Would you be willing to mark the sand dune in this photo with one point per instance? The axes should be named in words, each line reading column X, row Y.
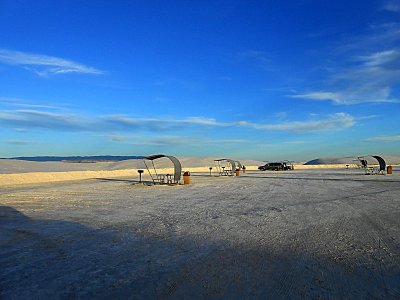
column 42, row 177
column 325, row 166
column 352, row 160
column 11, row 166
column 16, row 172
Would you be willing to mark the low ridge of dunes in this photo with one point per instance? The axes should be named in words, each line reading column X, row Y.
column 393, row 160
column 10, row 166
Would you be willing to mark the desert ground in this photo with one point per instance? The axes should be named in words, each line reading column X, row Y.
column 317, row 233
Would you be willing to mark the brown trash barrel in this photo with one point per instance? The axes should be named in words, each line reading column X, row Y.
column 389, row 169
column 237, row 172
column 186, row 178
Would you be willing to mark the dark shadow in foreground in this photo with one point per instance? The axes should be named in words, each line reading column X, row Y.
column 55, row 259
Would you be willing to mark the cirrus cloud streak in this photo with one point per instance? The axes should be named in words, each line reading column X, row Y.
column 387, row 138
column 44, row 65
column 76, row 122
column 365, row 70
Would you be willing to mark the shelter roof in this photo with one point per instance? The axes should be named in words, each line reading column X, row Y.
column 155, row 156
column 175, row 161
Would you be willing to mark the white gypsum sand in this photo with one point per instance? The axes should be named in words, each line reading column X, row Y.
column 320, row 233
column 14, row 172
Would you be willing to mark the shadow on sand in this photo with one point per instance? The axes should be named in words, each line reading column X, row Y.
column 56, row 259
column 322, row 178
column 125, row 180
column 144, row 182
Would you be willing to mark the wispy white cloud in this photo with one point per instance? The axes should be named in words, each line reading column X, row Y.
column 368, row 117
column 18, row 102
column 382, row 58
column 294, row 142
column 203, row 121
column 390, row 138
column 393, row 6
column 76, row 122
column 159, row 124
column 37, row 118
column 171, row 140
column 320, row 95
column 18, row 142
column 349, row 97
column 46, row 120
column 121, row 138
column 128, row 122
column 367, row 70
column 44, row 65
column 333, row 122
column 230, row 141
column 380, row 37
column 21, row 130
column 163, row 141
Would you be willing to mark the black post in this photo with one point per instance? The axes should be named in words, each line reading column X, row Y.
column 140, row 175
column 210, row 170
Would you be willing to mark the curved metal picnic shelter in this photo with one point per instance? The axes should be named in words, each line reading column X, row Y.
column 221, row 168
column 382, row 163
column 371, row 170
column 173, row 159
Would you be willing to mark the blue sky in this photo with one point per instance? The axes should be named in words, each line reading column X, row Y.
column 245, row 79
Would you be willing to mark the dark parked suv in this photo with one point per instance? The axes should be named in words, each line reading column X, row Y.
column 276, row 166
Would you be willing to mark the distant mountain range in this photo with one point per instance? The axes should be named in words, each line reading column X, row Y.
column 75, row 158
